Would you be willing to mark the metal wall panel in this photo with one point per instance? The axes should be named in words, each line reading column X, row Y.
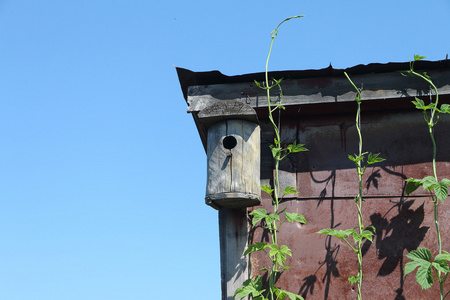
column 327, row 182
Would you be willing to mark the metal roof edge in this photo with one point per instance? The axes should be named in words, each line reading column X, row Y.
column 190, row 78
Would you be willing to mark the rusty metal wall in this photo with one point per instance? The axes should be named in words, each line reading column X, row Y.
column 327, row 182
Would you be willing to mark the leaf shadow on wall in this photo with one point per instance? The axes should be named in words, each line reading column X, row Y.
column 401, row 232
column 332, row 250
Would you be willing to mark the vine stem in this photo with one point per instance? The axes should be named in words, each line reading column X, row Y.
column 273, row 230
column 359, row 200
column 276, row 187
column 436, row 207
column 359, row 203
column 435, row 200
column 272, row 221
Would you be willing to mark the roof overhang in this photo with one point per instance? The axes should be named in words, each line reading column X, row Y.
column 315, row 91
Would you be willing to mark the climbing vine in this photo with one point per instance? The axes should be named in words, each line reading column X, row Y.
column 421, row 258
column 361, row 233
column 272, row 222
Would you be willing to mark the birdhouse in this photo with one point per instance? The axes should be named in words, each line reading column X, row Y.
column 233, row 155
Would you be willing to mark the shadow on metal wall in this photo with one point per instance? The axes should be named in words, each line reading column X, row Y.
column 330, row 261
column 397, row 234
column 326, row 180
column 394, row 235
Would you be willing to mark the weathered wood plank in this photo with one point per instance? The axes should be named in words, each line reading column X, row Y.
column 319, row 90
column 225, row 110
column 233, row 232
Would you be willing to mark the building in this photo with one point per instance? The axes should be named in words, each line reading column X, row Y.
column 320, row 113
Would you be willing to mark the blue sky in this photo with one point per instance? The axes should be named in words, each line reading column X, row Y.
column 102, row 172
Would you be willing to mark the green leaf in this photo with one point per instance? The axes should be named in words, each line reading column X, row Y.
column 353, row 279
column 421, row 255
column 373, row 158
column 425, row 74
column 259, row 85
column 411, row 185
column 446, row 181
column 445, row 108
column 276, row 151
column 281, row 259
column 285, row 250
column 418, row 57
column 267, row 188
column 296, row 147
column 355, row 158
column 274, row 251
column 256, row 247
column 342, row 234
column 277, row 82
column 289, row 190
column 273, row 247
column 424, row 276
column 441, row 266
column 291, row 217
column 327, row 231
column 258, row 215
column 253, row 287
column 441, row 191
column 421, row 258
column 357, row 237
column 279, row 255
column 367, row 234
column 442, row 256
column 352, row 158
column 441, row 262
column 372, row 228
column 428, row 182
column 272, row 217
column 282, row 294
column 411, row 266
column 419, row 104
column 282, row 211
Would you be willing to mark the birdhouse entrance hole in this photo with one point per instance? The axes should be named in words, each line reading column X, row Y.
column 229, row 142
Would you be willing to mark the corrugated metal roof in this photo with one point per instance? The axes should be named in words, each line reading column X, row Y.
column 190, row 78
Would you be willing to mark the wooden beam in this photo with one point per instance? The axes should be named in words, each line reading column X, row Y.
column 233, row 232
column 378, row 86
